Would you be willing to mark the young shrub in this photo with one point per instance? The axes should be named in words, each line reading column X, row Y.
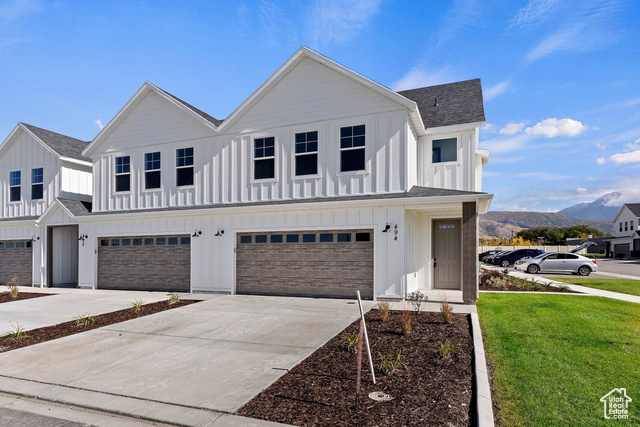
column 563, row 287
column 84, row 319
column 446, row 349
column 416, row 299
column 385, row 310
column 498, row 282
column 137, row 304
column 389, row 365
column 350, row 341
column 446, row 312
column 18, row 332
column 174, row 298
column 14, row 289
column 536, row 287
column 405, row 320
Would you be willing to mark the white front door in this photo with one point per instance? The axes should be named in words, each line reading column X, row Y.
column 447, row 258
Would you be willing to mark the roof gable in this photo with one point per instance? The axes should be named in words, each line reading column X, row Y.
column 449, row 104
column 56, row 143
column 131, row 105
column 634, row 208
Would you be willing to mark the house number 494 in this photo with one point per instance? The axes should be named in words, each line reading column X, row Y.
column 395, row 232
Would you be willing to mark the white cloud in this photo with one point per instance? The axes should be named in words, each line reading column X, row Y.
column 418, row 76
column 496, row 90
column 488, row 128
column 553, row 127
column 637, row 141
column 500, row 145
column 99, row 123
column 626, row 158
column 601, row 147
column 534, row 13
column 512, row 128
column 337, row 21
column 581, row 190
column 600, row 160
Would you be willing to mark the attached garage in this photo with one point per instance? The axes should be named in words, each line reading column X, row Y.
column 16, row 262
column 332, row 263
column 150, row 263
column 622, row 250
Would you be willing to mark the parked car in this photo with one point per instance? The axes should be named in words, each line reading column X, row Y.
column 487, row 253
column 558, row 262
column 489, row 258
column 505, row 260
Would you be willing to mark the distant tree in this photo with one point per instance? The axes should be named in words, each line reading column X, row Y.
column 558, row 235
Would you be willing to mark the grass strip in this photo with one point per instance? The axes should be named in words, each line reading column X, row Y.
column 624, row 286
column 555, row 356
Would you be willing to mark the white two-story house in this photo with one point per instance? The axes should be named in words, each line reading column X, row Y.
column 40, row 169
column 321, row 183
column 626, row 241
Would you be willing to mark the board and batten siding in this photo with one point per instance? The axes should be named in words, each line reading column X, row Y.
column 458, row 175
column 213, row 258
column 24, row 155
column 76, row 181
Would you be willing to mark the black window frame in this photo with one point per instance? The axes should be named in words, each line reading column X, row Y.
column 152, row 170
column 306, row 153
column 15, row 186
column 184, row 167
column 353, row 142
column 37, row 183
column 264, row 158
column 122, row 174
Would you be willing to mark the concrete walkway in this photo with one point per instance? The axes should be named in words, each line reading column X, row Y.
column 194, row 365
column 582, row 289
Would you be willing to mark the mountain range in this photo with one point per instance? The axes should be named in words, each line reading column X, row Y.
column 598, row 214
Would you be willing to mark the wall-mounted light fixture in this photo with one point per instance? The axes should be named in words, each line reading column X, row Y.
column 34, row 238
column 197, row 233
column 220, row 232
column 387, row 228
column 82, row 237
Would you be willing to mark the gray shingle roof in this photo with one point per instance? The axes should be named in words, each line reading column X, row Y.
column 415, row 192
column 634, row 208
column 449, row 104
column 76, row 207
column 63, row 145
column 199, row 112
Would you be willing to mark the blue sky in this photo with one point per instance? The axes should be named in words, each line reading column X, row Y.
column 561, row 79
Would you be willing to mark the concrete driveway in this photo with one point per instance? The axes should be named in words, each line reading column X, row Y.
column 213, row 356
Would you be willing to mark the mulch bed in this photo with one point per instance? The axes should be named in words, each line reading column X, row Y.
column 6, row 296
column 320, row 391
column 508, row 283
column 47, row 333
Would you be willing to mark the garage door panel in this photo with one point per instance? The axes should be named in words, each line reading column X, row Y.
column 16, row 262
column 144, row 267
column 329, row 269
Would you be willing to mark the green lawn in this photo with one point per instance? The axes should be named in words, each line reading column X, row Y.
column 555, row 356
column 631, row 287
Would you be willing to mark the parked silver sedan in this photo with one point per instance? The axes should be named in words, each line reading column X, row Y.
column 558, row 262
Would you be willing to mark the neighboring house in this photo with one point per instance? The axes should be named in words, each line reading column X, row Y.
column 321, row 183
column 40, row 169
column 626, row 241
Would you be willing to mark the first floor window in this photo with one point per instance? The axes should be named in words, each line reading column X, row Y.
column 37, row 180
column 264, row 158
column 444, row 150
column 152, row 170
column 306, row 153
column 123, row 173
column 15, row 180
column 352, row 140
column 184, row 166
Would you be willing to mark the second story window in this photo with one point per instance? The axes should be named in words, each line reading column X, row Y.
column 15, row 180
column 444, row 150
column 264, row 158
column 184, row 166
column 306, row 153
column 626, row 226
column 620, row 225
column 37, row 183
column 352, row 139
column 123, row 173
column 152, row 170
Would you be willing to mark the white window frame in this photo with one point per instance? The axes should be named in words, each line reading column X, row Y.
column 445, row 137
column 159, row 169
column 296, row 155
column 192, row 166
column 117, row 174
column 272, row 157
column 364, row 148
column 41, row 183
column 19, row 185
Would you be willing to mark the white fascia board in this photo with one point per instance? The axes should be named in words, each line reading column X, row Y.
column 302, row 53
column 76, row 162
column 483, row 201
column 51, row 210
column 19, row 223
column 46, row 147
column 454, row 128
column 8, row 142
column 619, row 213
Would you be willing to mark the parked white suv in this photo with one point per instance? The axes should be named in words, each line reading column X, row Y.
column 558, row 262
